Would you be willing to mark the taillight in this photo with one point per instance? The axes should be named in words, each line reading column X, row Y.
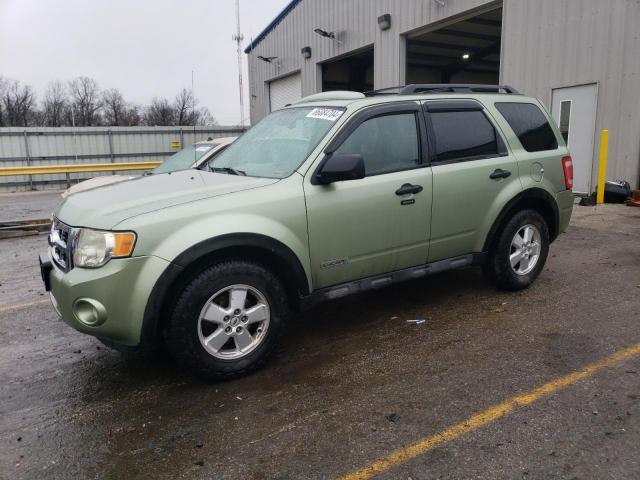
column 567, row 169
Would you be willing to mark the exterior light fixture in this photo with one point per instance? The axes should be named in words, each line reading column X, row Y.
column 466, row 56
column 306, row 52
column 324, row 33
column 267, row 59
column 384, row 21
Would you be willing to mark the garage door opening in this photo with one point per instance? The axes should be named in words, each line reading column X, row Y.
column 354, row 73
column 467, row 51
column 284, row 91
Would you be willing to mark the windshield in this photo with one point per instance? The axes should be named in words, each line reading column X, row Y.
column 277, row 145
column 184, row 159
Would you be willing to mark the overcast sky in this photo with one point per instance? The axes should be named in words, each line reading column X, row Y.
column 145, row 48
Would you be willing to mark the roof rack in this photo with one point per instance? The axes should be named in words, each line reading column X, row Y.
column 443, row 88
column 332, row 95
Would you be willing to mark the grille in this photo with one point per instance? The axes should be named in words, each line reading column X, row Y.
column 61, row 245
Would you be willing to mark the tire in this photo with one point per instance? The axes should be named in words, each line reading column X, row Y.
column 499, row 269
column 205, row 311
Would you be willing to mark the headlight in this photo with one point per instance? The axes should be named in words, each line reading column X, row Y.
column 94, row 248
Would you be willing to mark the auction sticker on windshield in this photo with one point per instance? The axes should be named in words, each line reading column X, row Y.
column 330, row 114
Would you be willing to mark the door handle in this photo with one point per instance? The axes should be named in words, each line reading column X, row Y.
column 499, row 173
column 407, row 188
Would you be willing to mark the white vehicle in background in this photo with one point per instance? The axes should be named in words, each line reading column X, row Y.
column 191, row 157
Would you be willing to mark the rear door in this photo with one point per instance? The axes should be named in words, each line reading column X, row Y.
column 359, row 228
column 474, row 175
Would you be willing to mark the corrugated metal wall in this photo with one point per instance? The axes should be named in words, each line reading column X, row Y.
column 67, row 145
column 548, row 44
column 355, row 23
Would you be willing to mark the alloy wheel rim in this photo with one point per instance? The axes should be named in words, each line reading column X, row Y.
column 233, row 322
column 525, row 248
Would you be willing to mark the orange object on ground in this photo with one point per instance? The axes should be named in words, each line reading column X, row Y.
column 634, row 201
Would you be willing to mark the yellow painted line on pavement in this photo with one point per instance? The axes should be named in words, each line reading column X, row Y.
column 20, row 306
column 488, row 416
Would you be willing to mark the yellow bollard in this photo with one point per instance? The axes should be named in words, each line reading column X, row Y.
column 602, row 165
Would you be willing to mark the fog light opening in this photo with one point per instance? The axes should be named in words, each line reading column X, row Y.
column 89, row 312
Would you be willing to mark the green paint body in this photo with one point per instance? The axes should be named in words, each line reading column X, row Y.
column 338, row 232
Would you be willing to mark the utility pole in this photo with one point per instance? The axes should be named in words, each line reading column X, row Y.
column 238, row 38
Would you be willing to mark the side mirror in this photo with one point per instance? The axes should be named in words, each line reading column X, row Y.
column 336, row 168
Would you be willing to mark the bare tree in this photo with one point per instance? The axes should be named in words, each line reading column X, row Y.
column 54, row 105
column 85, row 100
column 205, row 118
column 116, row 111
column 133, row 117
column 19, row 104
column 159, row 113
column 82, row 102
column 184, row 108
column 3, row 86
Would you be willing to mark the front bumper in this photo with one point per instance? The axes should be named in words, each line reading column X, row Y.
column 106, row 302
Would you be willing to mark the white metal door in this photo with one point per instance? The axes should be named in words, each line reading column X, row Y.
column 574, row 110
column 284, row 91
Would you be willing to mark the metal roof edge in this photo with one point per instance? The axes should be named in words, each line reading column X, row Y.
column 274, row 23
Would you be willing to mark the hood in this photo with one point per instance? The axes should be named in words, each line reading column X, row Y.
column 106, row 206
column 96, row 182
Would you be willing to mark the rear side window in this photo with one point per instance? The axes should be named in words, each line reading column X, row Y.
column 530, row 125
column 464, row 135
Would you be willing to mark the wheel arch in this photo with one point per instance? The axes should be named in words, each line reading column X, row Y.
column 261, row 249
column 535, row 199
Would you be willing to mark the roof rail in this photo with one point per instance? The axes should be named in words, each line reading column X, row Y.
column 456, row 88
column 384, row 91
column 416, row 88
column 331, row 95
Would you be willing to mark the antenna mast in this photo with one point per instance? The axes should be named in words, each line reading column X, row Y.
column 238, row 38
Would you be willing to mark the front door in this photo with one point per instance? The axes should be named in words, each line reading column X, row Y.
column 574, row 110
column 364, row 227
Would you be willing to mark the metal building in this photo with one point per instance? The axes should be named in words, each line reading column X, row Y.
column 580, row 57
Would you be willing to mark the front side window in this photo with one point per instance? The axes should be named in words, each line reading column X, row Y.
column 464, row 135
column 530, row 125
column 277, row 145
column 387, row 143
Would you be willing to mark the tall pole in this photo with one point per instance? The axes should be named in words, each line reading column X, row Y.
column 238, row 38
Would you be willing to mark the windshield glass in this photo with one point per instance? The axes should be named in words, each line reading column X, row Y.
column 184, row 159
column 277, row 145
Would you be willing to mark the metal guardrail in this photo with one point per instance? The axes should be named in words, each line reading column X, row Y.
column 40, row 146
column 67, row 169
column 23, row 228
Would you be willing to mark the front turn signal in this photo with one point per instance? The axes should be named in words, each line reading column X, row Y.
column 123, row 245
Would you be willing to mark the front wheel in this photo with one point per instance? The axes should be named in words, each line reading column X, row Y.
column 520, row 252
column 227, row 320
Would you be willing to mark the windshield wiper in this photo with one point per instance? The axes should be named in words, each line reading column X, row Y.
column 227, row 170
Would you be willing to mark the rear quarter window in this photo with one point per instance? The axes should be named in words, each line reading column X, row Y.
column 530, row 125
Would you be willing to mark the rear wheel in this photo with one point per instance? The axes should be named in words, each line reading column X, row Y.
column 520, row 252
column 227, row 320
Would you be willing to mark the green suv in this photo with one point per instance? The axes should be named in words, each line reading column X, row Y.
column 337, row 194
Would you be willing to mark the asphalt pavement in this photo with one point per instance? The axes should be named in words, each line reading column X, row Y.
column 354, row 386
column 20, row 206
